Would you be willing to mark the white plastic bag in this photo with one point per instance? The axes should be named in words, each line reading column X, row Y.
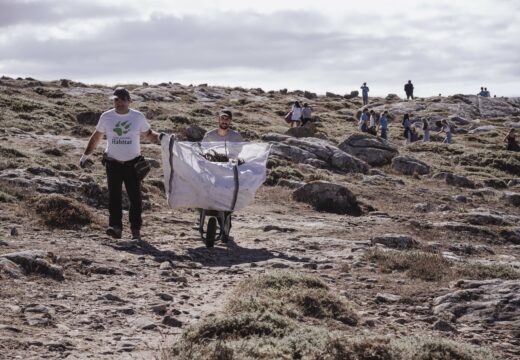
column 198, row 183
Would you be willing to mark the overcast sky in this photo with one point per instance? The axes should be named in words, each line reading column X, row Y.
column 443, row 46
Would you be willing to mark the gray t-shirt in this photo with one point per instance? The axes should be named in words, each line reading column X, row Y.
column 213, row 136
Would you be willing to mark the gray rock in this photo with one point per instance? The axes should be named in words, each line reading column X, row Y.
column 111, row 297
column 495, row 183
column 36, row 261
column 373, row 150
column 484, row 218
column 443, row 325
column 292, row 153
column 511, row 236
column 396, row 241
column 165, row 297
column 408, row 165
column 423, row 207
column 459, row 181
column 317, row 163
column 322, row 149
column 329, row 197
column 482, row 129
column 512, row 198
column 165, row 265
column 348, row 163
column 171, row 321
column 460, row 198
column 10, row 268
column 387, row 298
column 459, row 120
column 292, row 184
column 274, row 137
column 462, row 227
column 493, row 302
column 353, row 94
column 194, row 133
column 513, row 182
column 309, row 130
column 38, row 315
column 160, row 309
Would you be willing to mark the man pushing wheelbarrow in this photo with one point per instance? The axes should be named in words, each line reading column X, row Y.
column 218, row 176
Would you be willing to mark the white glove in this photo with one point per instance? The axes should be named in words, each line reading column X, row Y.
column 83, row 161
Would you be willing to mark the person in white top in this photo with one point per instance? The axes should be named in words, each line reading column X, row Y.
column 296, row 114
column 122, row 127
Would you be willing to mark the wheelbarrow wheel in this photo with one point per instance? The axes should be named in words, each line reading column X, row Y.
column 211, row 232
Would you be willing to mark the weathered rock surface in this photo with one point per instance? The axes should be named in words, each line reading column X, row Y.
column 512, row 198
column 36, row 261
column 459, row 181
column 308, row 130
column 408, row 165
column 396, row 241
column 194, row 133
column 329, row 197
column 373, row 150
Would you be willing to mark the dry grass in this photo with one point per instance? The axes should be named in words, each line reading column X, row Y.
column 434, row 267
column 62, row 212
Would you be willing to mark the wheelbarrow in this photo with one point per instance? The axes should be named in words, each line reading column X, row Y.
column 215, row 217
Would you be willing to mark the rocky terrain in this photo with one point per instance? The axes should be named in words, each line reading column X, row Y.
column 356, row 248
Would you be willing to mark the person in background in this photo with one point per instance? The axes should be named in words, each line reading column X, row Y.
column 372, row 127
column 426, row 129
column 510, row 138
column 482, row 92
column 306, row 114
column 383, row 125
column 407, row 128
column 122, row 127
column 223, row 132
column 296, row 114
column 408, row 89
column 364, row 93
column 446, row 128
column 487, row 93
column 363, row 120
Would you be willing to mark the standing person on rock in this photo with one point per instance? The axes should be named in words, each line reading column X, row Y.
column 372, row 127
column 383, row 125
column 306, row 114
column 296, row 114
column 364, row 93
column 426, row 130
column 408, row 89
column 446, row 128
column 122, row 127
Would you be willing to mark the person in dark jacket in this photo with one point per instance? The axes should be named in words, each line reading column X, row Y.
column 408, row 89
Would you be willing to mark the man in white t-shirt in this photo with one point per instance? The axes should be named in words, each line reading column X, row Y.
column 122, row 127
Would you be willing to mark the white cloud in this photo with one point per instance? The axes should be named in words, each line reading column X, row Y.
column 444, row 46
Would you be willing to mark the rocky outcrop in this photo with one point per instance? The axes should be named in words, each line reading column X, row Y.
column 308, row 130
column 194, row 133
column 375, row 151
column 35, row 261
column 490, row 302
column 512, row 198
column 318, row 152
column 88, row 117
column 459, row 181
column 329, row 197
column 408, row 165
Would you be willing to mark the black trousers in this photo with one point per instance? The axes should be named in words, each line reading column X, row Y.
column 117, row 174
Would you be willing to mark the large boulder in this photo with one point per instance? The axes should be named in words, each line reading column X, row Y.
column 375, row 151
column 321, row 148
column 329, row 197
column 194, row 133
column 293, row 153
column 308, row 130
column 408, row 165
column 348, row 163
column 459, row 181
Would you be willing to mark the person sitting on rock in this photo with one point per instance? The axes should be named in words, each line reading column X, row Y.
column 487, row 93
column 374, row 121
column 306, row 114
column 383, row 125
column 363, row 120
column 446, row 128
column 510, row 138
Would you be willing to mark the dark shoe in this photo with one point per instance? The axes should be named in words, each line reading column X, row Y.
column 114, row 231
column 136, row 234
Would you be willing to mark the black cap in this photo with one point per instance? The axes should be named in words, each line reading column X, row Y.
column 121, row 93
column 226, row 113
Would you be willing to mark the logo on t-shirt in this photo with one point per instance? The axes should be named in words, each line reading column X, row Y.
column 122, row 128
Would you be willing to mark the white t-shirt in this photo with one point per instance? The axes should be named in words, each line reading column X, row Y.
column 296, row 113
column 123, row 133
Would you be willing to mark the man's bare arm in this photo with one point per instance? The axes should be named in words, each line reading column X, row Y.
column 93, row 142
column 152, row 136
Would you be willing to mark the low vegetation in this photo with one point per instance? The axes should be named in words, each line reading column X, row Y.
column 434, row 267
column 58, row 211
